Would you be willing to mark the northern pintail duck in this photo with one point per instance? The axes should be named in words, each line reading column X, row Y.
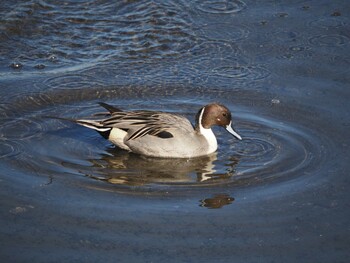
column 162, row 134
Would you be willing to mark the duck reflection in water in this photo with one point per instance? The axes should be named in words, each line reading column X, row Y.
column 120, row 167
column 217, row 201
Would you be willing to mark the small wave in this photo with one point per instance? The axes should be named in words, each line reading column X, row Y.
column 96, row 33
column 272, row 149
column 240, row 72
column 220, row 7
column 329, row 40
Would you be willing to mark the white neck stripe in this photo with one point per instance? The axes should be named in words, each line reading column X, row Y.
column 200, row 120
column 208, row 135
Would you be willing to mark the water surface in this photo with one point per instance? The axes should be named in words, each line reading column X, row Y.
column 279, row 195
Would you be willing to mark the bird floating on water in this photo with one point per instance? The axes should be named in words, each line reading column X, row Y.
column 162, row 134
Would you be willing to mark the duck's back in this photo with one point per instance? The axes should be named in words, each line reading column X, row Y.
column 177, row 138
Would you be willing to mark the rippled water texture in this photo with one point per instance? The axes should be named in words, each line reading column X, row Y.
column 279, row 195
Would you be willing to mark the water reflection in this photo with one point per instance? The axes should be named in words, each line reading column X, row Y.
column 123, row 168
column 217, row 201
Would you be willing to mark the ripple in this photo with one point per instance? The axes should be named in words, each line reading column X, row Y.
column 254, row 147
column 70, row 81
column 154, row 30
column 75, row 36
column 21, row 128
column 329, row 40
column 329, row 22
column 285, row 36
column 8, row 149
column 264, row 51
column 271, row 149
column 242, row 72
column 198, row 66
column 275, row 149
column 232, row 32
column 220, row 6
column 297, row 52
column 221, row 49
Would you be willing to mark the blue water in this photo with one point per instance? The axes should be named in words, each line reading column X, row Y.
column 279, row 195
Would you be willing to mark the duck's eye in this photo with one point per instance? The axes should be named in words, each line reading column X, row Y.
column 224, row 114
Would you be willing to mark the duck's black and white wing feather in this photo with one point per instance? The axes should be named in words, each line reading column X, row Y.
column 142, row 123
column 138, row 124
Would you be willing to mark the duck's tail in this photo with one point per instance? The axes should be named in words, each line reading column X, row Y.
column 110, row 108
column 92, row 124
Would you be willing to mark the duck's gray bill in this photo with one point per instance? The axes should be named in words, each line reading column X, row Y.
column 230, row 130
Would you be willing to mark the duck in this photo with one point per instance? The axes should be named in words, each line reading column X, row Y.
column 162, row 134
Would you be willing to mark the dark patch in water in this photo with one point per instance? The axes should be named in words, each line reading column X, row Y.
column 217, row 201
